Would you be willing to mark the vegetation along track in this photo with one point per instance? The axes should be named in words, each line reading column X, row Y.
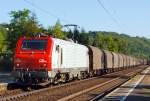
column 78, row 90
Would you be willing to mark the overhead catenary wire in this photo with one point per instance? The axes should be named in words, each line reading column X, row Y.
column 123, row 25
column 109, row 14
column 45, row 11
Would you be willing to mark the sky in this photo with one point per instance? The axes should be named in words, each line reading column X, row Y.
column 131, row 17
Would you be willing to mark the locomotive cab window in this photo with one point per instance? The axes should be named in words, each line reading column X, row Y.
column 34, row 44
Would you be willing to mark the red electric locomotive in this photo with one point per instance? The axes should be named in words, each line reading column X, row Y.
column 32, row 59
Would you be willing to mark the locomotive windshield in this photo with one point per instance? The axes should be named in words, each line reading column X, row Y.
column 34, row 44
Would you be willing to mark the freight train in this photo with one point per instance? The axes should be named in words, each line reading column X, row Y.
column 42, row 60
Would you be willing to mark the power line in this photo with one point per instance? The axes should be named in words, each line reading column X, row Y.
column 45, row 11
column 123, row 26
column 107, row 11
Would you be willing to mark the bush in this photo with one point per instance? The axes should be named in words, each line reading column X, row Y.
column 6, row 63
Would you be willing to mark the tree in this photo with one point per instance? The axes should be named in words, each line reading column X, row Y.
column 83, row 37
column 57, row 30
column 3, row 35
column 50, row 30
column 23, row 23
column 97, row 41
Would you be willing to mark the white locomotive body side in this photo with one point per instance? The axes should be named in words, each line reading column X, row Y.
column 69, row 57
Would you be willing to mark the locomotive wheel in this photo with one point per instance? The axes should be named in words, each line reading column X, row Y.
column 61, row 78
column 65, row 77
column 83, row 75
column 27, row 88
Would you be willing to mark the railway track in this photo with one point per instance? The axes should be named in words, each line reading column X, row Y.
column 98, row 91
column 10, row 93
column 75, row 91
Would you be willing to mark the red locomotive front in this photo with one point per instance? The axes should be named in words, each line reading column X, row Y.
column 32, row 59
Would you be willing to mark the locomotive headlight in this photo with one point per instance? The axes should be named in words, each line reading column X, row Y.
column 42, row 61
column 17, row 64
column 44, row 65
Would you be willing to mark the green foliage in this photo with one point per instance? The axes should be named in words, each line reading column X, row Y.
column 57, row 30
column 6, row 62
column 49, row 31
column 23, row 23
column 83, row 37
column 3, row 35
column 121, row 43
